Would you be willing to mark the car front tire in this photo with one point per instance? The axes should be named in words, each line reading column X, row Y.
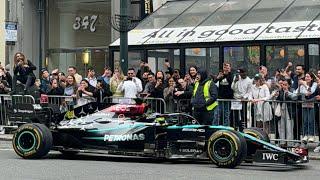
column 32, row 141
column 227, row 148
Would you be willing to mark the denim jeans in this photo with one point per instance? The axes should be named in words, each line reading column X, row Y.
column 308, row 121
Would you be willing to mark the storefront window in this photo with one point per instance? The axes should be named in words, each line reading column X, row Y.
column 279, row 56
column 134, row 59
column 204, row 58
column 157, row 58
column 314, row 59
column 74, row 26
column 245, row 57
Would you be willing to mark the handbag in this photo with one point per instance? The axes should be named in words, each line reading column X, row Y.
column 277, row 111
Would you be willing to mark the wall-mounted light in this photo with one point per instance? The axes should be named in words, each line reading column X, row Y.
column 86, row 57
column 46, row 62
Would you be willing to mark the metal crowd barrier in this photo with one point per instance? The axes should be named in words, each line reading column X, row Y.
column 155, row 104
column 7, row 101
column 284, row 121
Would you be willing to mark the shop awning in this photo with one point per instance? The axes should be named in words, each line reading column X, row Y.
column 196, row 21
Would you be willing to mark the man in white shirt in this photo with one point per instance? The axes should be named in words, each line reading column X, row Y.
column 132, row 74
column 91, row 77
column 129, row 88
column 241, row 87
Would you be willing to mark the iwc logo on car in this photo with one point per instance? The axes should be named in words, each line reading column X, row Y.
column 124, row 137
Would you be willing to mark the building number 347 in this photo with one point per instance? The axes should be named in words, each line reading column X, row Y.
column 87, row 22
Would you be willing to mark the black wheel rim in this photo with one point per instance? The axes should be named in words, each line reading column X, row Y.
column 26, row 141
column 222, row 149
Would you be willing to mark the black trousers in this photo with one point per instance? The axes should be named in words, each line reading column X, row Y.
column 204, row 117
column 28, row 81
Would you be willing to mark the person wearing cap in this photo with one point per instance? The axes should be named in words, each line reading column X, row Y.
column 241, row 87
column 262, row 111
column 44, row 81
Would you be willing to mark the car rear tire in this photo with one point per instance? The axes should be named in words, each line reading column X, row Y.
column 227, row 148
column 257, row 133
column 32, row 141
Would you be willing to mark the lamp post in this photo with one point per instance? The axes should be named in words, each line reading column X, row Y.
column 124, row 35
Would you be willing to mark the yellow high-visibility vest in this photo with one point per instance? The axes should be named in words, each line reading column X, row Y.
column 206, row 94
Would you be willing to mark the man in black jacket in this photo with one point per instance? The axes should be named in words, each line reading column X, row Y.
column 225, row 92
column 23, row 71
column 204, row 99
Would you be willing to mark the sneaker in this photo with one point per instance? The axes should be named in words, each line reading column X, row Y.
column 311, row 139
column 305, row 138
column 317, row 149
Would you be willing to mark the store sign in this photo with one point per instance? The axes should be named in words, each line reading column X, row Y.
column 168, row 35
column 312, row 31
column 243, row 32
column 284, row 30
column 85, row 23
column 11, row 31
column 239, row 32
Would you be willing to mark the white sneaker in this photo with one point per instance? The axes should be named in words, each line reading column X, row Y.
column 311, row 139
column 305, row 138
column 317, row 149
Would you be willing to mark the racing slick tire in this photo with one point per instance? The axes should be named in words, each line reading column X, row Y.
column 257, row 133
column 32, row 141
column 227, row 148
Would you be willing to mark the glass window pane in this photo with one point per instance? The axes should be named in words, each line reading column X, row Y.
column 195, row 57
column 305, row 10
column 164, row 15
column 265, row 11
column 204, row 58
column 314, row 59
column 246, row 57
column 213, row 61
column 278, row 56
column 196, row 13
column 156, row 59
column 229, row 13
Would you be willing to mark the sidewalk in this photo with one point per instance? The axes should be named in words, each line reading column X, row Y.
column 312, row 155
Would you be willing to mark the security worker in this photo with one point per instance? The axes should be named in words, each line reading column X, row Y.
column 204, row 99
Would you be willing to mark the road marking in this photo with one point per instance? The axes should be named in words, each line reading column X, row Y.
column 6, row 149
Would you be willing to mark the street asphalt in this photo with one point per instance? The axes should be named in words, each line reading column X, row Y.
column 84, row 167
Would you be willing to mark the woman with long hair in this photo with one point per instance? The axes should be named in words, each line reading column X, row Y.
column 71, row 86
column 85, row 93
column 305, row 89
column 168, row 95
column 116, row 79
column 23, row 71
column 262, row 110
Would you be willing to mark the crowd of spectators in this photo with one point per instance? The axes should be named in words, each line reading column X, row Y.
column 287, row 84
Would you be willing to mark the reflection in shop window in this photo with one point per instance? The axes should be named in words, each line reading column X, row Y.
column 314, row 57
column 279, row 56
column 204, row 58
column 245, row 57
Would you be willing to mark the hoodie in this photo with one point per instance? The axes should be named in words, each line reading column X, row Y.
column 198, row 101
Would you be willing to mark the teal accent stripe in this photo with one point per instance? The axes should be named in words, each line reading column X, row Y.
column 94, row 138
column 222, row 127
column 186, row 127
column 117, row 128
